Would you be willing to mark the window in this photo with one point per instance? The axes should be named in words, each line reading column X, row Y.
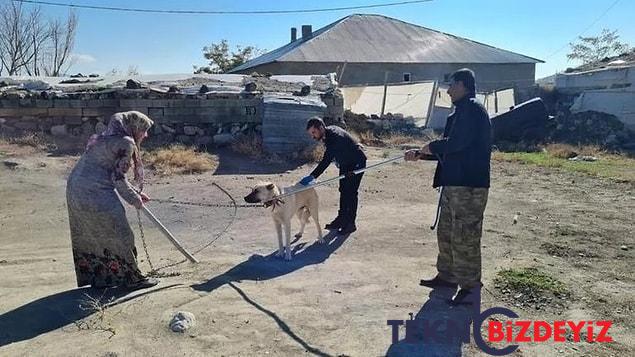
column 406, row 77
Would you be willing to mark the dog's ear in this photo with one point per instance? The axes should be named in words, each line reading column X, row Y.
column 270, row 186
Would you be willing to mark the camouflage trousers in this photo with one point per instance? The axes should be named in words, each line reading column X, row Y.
column 459, row 235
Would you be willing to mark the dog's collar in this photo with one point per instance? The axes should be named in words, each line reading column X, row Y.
column 273, row 203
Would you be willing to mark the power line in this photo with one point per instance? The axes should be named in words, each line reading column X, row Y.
column 211, row 12
column 585, row 30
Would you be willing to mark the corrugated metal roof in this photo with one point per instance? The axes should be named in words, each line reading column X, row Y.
column 379, row 39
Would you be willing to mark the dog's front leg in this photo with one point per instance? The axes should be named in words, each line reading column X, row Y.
column 280, row 247
column 287, row 240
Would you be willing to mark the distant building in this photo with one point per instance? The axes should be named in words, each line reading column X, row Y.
column 369, row 49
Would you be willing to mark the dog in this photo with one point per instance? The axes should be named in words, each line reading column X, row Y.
column 304, row 204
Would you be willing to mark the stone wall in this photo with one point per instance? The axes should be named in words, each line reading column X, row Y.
column 199, row 120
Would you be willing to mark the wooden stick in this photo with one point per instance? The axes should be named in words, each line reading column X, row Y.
column 169, row 235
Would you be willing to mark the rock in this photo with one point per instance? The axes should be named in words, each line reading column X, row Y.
column 190, row 130
column 10, row 164
column 235, row 129
column 88, row 129
column 100, row 128
column 182, row 321
column 168, row 129
column 204, row 89
column 3, row 120
column 584, row 158
column 133, row 84
column 223, row 139
column 250, row 87
column 174, row 89
column 184, row 139
column 624, row 247
column 93, row 75
column 59, row 130
column 203, row 140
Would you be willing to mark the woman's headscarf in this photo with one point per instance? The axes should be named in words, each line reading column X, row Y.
column 128, row 124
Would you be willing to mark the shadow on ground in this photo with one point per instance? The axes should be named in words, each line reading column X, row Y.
column 438, row 329
column 55, row 311
column 258, row 267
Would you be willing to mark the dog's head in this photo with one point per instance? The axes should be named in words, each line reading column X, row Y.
column 262, row 192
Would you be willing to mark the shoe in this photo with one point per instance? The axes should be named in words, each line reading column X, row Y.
column 462, row 297
column 336, row 224
column 142, row 284
column 348, row 229
column 437, row 282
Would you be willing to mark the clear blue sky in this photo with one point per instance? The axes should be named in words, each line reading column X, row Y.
column 164, row 43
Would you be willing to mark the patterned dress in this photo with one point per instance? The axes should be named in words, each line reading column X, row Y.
column 103, row 243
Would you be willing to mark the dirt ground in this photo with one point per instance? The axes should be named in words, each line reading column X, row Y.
column 332, row 299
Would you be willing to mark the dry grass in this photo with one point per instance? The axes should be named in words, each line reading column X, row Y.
column 566, row 151
column 179, row 159
column 313, row 153
column 32, row 140
column 368, row 138
column 250, row 145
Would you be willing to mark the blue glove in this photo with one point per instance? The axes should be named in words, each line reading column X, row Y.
column 306, row 180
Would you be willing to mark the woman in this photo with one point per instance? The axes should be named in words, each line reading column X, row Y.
column 103, row 243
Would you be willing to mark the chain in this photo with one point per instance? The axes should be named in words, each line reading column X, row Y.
column 200, row 204
column 143, row 240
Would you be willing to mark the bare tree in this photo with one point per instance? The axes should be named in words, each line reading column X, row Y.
column 62, row 40
column 16, row 36
column 133, row 70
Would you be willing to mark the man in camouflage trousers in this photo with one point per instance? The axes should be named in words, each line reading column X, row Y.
column 463, row 172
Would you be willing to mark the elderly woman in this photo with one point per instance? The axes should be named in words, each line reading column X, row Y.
column 103, row 243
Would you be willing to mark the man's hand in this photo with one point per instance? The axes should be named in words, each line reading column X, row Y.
column 412, row 155
column 306, row 180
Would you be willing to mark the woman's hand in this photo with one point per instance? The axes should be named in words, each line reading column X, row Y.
column 144, row 198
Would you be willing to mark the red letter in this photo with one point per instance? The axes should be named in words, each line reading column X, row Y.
column 547, row 328
column 602, row 336
column 522, row 334
column 558, row 331
column 589, row 330
column 495, row 331
column 576, row 329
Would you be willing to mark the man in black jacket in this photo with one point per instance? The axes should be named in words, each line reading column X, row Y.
column 348, row 156
column 463, row 172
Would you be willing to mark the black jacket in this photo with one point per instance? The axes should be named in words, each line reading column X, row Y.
column 465, row 150
column 342, row 147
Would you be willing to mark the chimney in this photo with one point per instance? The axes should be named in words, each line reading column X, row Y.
column 294, row 34
column 307, row 31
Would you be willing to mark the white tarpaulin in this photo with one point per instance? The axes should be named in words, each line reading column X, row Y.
column 619, row 102
column 410, row 100
column 494, row 102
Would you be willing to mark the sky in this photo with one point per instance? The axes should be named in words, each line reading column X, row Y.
column 172, row 43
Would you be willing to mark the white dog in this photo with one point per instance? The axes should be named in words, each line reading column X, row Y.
column 304, row 204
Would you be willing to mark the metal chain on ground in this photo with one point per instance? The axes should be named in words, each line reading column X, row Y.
column 155, row 272
column 143, row 240
column 200, row 204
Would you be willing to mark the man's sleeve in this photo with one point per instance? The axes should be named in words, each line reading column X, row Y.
column 461, row 136
column 326, row 161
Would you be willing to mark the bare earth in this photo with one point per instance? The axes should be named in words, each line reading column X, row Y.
column 331, row 299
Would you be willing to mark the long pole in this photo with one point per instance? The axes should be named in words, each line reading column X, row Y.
column 321, row 183
column 169, row 235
